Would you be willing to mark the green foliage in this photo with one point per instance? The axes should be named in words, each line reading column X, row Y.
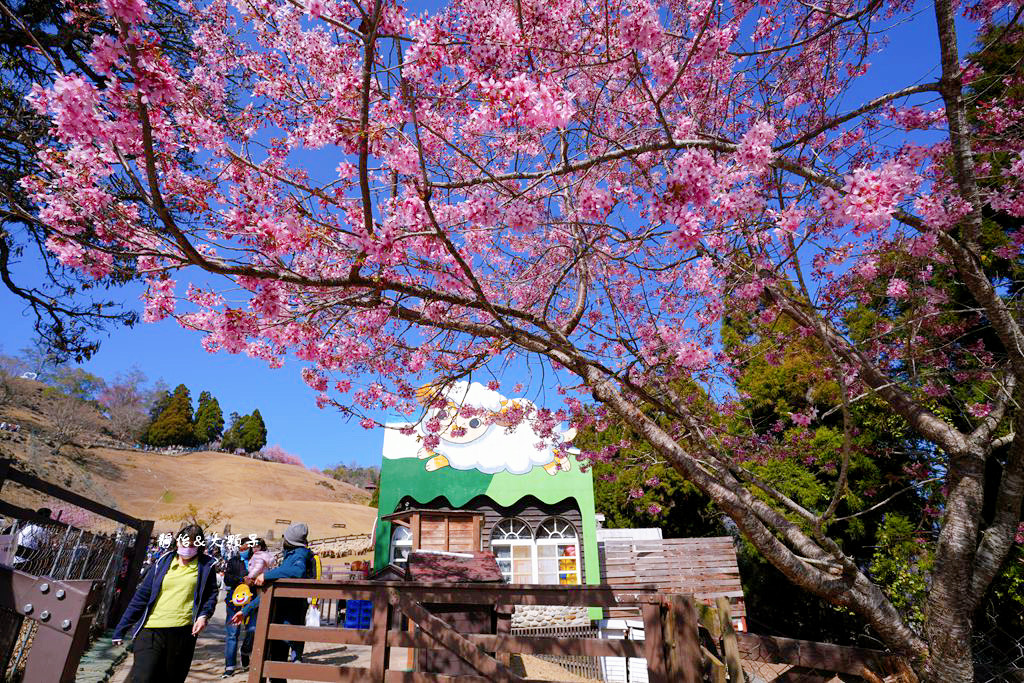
column 160, row 403
column 783, row 374
column 173, row 426
column 635, row 490
column 901, row 563
column 253, row 435
column 231, row 440
column 209, row 419
column 246, row 432
column 77, row 383
column 354, row 474
column 1002, row 612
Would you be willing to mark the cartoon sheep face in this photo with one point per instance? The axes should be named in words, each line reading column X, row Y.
column 482, row 438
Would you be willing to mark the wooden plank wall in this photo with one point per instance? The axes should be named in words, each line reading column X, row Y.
column 704, row 567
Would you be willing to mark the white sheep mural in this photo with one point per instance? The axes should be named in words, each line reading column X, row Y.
column 484, row 438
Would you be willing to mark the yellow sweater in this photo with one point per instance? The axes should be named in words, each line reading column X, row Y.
column 177, row 595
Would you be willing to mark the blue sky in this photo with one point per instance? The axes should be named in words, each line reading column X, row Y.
column 165, row 350
column 323, row 437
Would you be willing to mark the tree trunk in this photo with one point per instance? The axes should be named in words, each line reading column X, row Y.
column 950, row 606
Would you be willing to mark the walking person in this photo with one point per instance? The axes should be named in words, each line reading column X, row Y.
column 170, row 608
column 297, row 563
column 260, row 561
column 235, row 570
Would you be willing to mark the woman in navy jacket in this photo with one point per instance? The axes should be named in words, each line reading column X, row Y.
column 170, row 608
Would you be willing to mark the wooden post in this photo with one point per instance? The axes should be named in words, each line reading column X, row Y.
column 259, row 643
column 730, row 648
column 654, row 644
column 379, row 638
column 478, row 532
column 717, row 668
column 503, row 627
column 682, row 641
column 414, row 523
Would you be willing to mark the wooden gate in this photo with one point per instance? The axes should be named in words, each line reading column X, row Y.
column 402, row 617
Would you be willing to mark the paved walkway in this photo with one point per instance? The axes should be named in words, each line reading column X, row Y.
column 100, row 661
column 208, row 662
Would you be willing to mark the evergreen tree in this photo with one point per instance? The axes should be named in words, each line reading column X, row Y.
column 173, row 427
column 231, row 441
column 159, row 405
column 253, row 432
column 209, row 419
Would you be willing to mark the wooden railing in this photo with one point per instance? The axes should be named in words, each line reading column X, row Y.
column 670, row 646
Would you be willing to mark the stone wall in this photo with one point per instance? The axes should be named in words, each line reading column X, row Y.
column 549, row 616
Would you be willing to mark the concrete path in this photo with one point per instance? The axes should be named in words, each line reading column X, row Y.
column 208, row 663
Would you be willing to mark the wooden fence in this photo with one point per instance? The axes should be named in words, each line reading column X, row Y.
column 404, row 616
column 731, row 657
column 703, row 567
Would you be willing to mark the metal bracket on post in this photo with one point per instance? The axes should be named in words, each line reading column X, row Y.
column 63, row 612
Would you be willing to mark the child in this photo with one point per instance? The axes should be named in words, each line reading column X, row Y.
column 261, row 559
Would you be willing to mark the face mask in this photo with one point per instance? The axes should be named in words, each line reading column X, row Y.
column 188, row 552
column 247, row 553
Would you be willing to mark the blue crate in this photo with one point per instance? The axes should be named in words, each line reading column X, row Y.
column 358, row 613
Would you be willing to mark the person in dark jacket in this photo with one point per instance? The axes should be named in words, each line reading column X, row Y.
column 171, row 607
column 297, row 563
column 235, row 569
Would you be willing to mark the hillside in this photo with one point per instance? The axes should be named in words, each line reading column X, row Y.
column 250, row 493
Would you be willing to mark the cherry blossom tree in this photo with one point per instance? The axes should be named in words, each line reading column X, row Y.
column 395, row 198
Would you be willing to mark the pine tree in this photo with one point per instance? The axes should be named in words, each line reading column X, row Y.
column 209, row 419
column 173, row 427
column 253, row 432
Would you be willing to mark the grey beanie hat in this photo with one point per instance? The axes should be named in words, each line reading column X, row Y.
column 296, row 535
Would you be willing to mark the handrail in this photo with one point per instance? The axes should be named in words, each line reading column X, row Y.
column 481, row 652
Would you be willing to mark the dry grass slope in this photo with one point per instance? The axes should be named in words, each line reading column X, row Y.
column 251, row 494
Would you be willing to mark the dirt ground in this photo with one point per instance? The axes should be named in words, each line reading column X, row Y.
column 208, row 663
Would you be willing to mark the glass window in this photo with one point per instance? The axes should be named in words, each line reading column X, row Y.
column 513, row 546
column 558, row 552
column 401, row 545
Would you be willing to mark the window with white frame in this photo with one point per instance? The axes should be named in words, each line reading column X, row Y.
column 513, row 546
column 557, row 552
column 401, row 545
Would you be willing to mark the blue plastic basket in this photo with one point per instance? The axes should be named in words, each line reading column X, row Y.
column 358, row 613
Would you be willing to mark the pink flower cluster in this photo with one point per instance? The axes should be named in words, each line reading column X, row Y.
column 754, row 151
column 128, row 11
column 870, row 196
column 537, row 104
column 74, row 105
